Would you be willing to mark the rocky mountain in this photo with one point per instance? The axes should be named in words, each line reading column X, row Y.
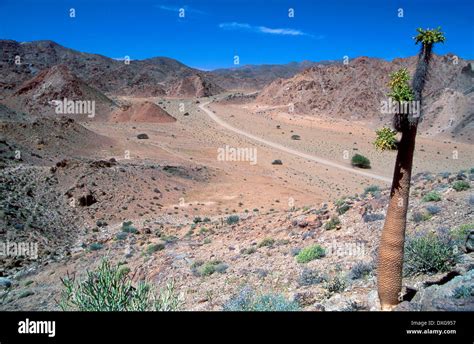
column 355, row 92
column 257, row 76
column 41, row 94
column 193, row 86
column 150, row 77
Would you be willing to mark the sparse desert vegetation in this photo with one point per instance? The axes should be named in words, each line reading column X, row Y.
column 136, row 209
column 360, row 161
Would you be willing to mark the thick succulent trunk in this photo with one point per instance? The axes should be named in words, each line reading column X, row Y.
column 421, row 72
column 391, row 249
column 390, row 266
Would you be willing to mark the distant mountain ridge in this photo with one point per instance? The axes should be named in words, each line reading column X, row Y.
column 258, row 76
column 150, row 77
column 327, row 88
column 157, row 76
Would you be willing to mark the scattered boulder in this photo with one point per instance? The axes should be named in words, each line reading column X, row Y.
column 5, row 283
column 454, row 295
column 469, row 245
column 142, row 137
column 338, row 303
column 103, row 163
column 373, row 301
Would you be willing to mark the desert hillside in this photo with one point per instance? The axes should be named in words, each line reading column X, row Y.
column 39, row 95
column 225, row 197
column 150, row 77
column 355, row 91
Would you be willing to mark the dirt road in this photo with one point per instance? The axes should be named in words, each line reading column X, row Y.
column 280, row 147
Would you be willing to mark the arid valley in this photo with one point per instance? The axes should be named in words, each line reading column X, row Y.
column 215, row 181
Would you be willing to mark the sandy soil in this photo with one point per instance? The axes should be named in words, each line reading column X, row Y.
column 240, row 185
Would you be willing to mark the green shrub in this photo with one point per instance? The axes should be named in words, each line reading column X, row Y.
column 337, row 284
column 121, row 236
column 342, row 209
column 311, row 277
column 463, row 291
column 109, row 288
column 428, row 254
column 432, row 196
column 168, row 238
column 248, row 251
column 459, row 234
column 360, row 270
column 433, row 209
column 200, row 268
column 461, row 185
column 420, row 216
column 282, row 242
column 221, row 268
column 233, row 219
column 332, row 223
column 155, row 248
column 374, row 190
column 310, row 253
column 207, row 269
column 25, row 293
column 266, row 242
column 247, row 301
column 123, row 270
column 360, row 161
column 128, row 228
column 274, row 303
column 95, row 246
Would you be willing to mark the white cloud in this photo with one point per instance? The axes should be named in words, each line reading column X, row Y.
column 176, row 9
column 266, row 30
column 235, row 26
column 290, row 32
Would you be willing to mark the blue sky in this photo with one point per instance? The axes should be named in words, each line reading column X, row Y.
column 212, row 32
